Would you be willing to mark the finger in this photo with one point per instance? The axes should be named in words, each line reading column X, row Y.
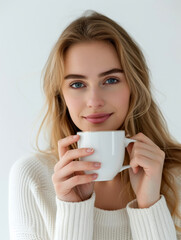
column 78, row 167
column 146, row 146
column 65, row 142
column 150, row 167
column 67, row 185
column 140, row 147
column 79, row 179
column 142, row 152
column 149, row 152
column 72, row 154
column 135, row 170
column 129, row 148
column 143, row 138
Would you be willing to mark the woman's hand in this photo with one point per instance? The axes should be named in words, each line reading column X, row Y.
column 70, row 182
column 146, row 160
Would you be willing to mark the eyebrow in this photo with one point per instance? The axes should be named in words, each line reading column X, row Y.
column 75, row 76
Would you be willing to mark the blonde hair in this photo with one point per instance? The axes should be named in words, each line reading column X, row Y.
column 143, row 115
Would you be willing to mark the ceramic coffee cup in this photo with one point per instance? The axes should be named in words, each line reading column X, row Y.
column 109, row 149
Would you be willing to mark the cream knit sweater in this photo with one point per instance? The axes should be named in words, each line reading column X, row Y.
column 36, row 214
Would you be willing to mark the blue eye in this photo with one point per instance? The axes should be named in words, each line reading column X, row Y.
column 112, row 80
column 76, row 85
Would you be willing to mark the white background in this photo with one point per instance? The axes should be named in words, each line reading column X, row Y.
column 28, row 31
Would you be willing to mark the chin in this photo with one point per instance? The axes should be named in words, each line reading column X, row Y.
column 94, row 129
column 97, row 127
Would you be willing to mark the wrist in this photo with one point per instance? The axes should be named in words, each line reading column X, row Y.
column 147, row 204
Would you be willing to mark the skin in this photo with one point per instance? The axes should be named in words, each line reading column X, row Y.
column 96, row 94
column 146, row 160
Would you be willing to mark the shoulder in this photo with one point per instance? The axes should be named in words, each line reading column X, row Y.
column 32, row 166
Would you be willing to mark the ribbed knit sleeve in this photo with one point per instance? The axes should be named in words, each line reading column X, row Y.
column 25, row 219
column 153, row 223
column 34, row 211
column 74, row 221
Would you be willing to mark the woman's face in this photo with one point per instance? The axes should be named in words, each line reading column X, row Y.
column 95, row 84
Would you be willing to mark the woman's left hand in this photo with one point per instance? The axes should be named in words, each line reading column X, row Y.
column 146, row 160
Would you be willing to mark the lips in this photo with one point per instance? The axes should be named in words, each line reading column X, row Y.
column 98, row 117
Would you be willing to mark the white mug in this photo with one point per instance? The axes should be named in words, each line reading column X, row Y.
column 109, row 149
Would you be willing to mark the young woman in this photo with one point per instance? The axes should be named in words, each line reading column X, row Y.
column 96, row 79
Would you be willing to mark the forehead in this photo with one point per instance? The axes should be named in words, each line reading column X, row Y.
column 90, row 57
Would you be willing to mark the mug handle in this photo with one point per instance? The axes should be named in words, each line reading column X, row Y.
column 126, row 142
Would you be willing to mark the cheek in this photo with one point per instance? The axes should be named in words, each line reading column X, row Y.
column 73, row 104
column 121, row 100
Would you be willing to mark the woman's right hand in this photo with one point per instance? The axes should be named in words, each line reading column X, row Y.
column 70, row 182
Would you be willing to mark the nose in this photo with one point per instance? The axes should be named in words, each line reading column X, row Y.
column 95, row 99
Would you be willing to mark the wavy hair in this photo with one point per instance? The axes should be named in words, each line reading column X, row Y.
column 143, row 114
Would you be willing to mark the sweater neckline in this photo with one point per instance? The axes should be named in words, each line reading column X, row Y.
column 111, row 217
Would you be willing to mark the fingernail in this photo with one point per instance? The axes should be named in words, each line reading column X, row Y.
column 94, row 176
column 89, row 150
column 75, row 136
column 97, row 164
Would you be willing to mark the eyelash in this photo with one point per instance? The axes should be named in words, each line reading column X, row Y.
column 82, row 83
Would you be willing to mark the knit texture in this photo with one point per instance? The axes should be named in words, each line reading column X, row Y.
column 35, row 213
